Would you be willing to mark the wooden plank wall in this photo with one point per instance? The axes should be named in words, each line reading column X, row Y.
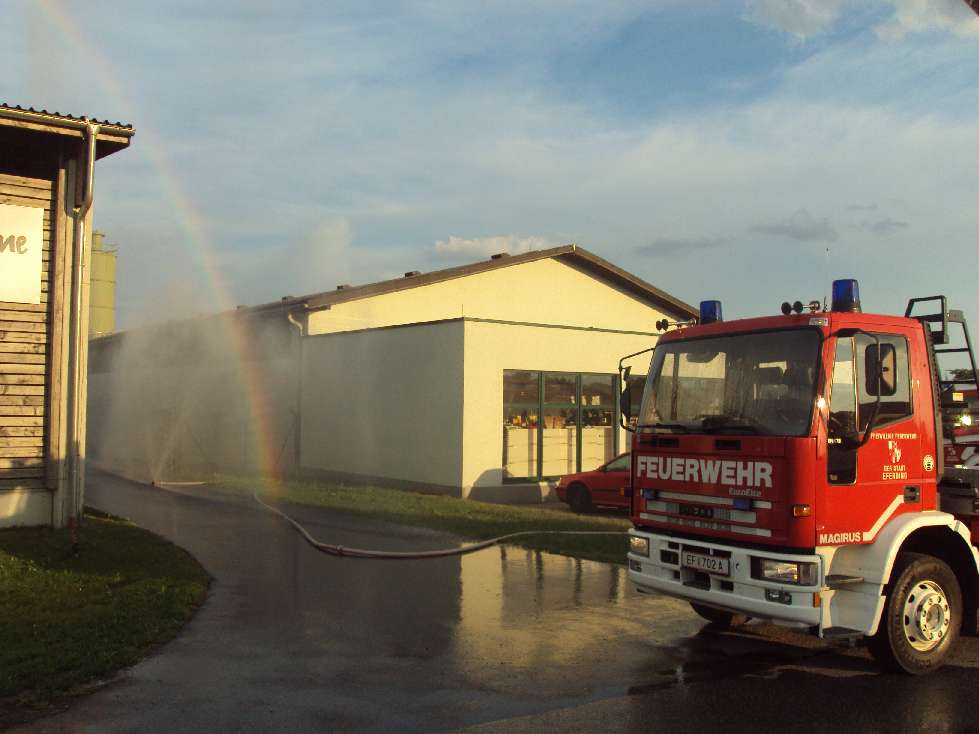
column 24, row 334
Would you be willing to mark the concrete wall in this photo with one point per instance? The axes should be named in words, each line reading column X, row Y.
column 25, row 507
column 491, row 348
column 386, row 403
column 543, row 291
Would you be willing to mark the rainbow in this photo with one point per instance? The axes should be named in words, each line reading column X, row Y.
column 197, row 239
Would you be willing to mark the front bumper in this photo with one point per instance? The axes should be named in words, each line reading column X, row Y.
column 736, row 592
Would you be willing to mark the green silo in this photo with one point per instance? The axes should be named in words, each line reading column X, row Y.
column 102, row 296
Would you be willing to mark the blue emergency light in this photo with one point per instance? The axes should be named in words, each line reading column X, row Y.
column 846, row 295
column 710, row 311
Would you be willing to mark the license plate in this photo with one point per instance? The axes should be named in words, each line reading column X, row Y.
column 696, row 511
column 710, row 564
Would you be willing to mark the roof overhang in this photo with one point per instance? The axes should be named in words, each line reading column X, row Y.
column 569, row 254
column 112, row 136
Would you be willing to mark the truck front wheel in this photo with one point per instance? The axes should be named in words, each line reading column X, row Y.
column 922, row 617
column 718, row 617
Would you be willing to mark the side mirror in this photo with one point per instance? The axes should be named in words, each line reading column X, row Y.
column 625, row 399
column 625, row 402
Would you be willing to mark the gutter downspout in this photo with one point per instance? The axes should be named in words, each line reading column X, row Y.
column 298, row 427
column 76, row 462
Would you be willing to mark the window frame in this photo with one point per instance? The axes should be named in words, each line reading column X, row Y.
column 858, row 366
column 860, row 381
column 543, row 404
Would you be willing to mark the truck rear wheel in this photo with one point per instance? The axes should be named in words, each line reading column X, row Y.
column 922, row 616
column 718, row 617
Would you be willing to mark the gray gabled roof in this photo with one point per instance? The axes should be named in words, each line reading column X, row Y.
column 571, row 254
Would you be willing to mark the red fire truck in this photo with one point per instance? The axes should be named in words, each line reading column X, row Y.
column 793, row 468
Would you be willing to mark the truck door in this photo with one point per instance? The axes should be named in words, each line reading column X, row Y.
column 866, row 486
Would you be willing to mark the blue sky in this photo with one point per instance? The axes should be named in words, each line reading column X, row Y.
column 747, row 151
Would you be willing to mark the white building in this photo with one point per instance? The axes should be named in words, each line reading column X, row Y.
column 483, row 381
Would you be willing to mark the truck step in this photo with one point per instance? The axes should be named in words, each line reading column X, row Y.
column 836, row 580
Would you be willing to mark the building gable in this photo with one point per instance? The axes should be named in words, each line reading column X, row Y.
column 543, row 291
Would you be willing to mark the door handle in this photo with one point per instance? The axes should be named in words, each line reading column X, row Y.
column 912, row 493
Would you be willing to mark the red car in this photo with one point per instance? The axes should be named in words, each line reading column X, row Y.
column 608, row 485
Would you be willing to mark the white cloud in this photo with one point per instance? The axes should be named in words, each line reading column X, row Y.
column 805, row 19
column 802, row 19
column 920, row 16
column 459, row 247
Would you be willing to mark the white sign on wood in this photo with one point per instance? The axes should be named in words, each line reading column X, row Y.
column 21, row 243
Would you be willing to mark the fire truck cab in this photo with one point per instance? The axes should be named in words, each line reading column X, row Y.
column 793, row 468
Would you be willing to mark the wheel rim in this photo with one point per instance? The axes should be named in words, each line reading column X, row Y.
column 927, row 617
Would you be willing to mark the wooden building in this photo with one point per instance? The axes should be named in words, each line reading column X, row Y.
column 46, row 192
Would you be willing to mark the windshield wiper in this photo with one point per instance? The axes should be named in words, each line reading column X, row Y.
column 717, row 423
column 674, row 426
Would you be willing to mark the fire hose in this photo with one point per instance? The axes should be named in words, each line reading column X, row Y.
column 343, row 551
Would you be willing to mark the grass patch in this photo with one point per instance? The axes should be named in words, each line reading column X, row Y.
column 464, row 518
column 69, row 618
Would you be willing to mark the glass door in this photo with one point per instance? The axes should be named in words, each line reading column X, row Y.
column 521, row 411
column 598, row 423
column 559, row 437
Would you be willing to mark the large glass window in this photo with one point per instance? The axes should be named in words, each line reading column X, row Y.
column 760, row 383
column 557, row 423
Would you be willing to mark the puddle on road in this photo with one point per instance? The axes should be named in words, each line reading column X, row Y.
column 567, row 624
column 506, row 621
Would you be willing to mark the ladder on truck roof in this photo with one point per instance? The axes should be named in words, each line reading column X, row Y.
column 941, row 336
column 945, row 392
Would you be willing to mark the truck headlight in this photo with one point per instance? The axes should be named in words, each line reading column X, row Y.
column 639, row 546
column 785, row 572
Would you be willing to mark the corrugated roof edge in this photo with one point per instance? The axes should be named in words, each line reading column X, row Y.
column 577, row 255
column 569, row 253
column 55, row 116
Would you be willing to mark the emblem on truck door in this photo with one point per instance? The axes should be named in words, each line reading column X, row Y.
column 895, row 448
column 928, row 462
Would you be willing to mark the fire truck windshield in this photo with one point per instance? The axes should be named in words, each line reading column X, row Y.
column 752, row 383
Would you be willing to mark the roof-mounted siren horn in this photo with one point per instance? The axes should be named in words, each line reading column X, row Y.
column 846, row 296
column 710, row 311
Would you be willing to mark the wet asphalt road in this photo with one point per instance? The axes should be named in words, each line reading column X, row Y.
column 501, row 640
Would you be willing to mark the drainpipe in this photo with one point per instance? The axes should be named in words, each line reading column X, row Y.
column 298, row 427
column 76, row 343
